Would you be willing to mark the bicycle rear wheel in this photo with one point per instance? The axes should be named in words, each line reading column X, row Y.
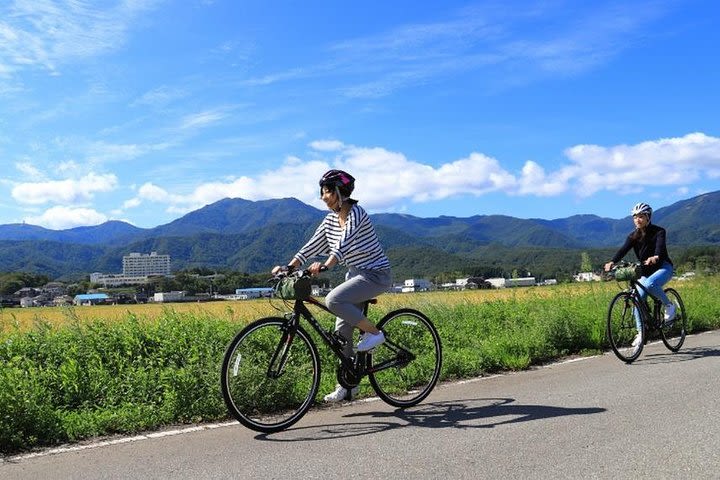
column 408, row 363
column 673, row 335
column 621, row 327
column 270, row 376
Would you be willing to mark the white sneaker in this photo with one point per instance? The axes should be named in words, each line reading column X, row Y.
column 636, row 341
column 368, row 341
column 340, row 394
column 669, row 313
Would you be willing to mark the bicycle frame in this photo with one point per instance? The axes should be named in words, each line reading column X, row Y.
column 360, row 365
column 647, row 316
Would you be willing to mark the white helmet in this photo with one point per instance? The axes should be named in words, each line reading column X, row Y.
column 641, row 208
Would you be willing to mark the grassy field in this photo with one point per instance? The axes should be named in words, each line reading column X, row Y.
column 74, row 373
column 24, row 319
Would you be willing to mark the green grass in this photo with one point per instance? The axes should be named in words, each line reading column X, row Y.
column 93, row 378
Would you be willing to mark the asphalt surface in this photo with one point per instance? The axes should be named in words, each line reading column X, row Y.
column 588, row 418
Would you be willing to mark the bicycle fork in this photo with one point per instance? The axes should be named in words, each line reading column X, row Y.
column 282, row 352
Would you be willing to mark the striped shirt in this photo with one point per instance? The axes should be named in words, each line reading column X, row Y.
column 356, row 245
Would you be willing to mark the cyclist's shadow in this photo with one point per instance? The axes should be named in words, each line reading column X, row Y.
column 684, row 355
column 460, row 414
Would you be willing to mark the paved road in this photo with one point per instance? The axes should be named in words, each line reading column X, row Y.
column 592, row 418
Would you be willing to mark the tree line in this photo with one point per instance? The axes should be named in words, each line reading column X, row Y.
column 420, row 262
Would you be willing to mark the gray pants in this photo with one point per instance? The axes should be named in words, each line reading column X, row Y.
column 346, row 300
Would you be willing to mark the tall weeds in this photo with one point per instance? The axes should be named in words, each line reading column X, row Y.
column 93, row 378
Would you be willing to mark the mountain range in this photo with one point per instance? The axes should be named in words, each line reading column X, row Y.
column 252, row 236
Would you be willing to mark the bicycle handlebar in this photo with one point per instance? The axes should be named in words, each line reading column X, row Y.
column 287, row 271
column 624, row 263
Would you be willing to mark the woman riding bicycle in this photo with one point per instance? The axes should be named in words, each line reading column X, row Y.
column 648, row 242
column 347, row 237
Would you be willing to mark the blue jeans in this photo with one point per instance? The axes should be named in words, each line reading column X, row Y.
column 654, row 284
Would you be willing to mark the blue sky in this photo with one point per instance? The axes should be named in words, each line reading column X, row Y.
column 144, row 110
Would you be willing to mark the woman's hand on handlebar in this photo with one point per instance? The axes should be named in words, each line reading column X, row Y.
column 316, row 267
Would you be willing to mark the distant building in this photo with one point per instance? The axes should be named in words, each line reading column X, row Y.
column 520, row 282
column 472, row 282
column 176, row 296
column 497, row 282
column 63, row 300
column 27, row 302
column 91, row 298
column 117, row 279
column 139, row 264
column 587, row 277
column 138, row 268
column 511, row 282
column 416, row 285
column 256, row 292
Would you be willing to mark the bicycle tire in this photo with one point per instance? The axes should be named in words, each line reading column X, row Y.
column 262, row 401
column 406, row 382
column 621, row 327
column 673, row 336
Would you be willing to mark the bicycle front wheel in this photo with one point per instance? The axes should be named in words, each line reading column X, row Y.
column 405, row 368
column 622, row 331
column 673, row 335
column 270, row 375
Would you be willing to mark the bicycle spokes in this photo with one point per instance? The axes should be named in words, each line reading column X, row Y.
column 406, row 367
column 623, row 334
column 673, row 332
column 270, row 376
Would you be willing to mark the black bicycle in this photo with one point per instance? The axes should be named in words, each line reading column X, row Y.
column 626, row 340
column 271, row 369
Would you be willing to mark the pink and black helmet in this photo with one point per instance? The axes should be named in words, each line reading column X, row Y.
column 337, row 179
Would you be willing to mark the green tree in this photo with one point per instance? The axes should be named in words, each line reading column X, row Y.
column 585, row 262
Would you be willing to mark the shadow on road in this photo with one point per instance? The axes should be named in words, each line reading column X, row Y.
column 461, row 414
column 684, row 355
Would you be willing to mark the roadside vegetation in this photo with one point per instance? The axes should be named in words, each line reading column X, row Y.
column 67, row 375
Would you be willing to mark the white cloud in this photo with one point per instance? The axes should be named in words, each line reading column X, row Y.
column 69, row 191
column 534, row 181
column 104, row 152
column 48, row 33
column 29, row 170
column 327, row 145
column 519, row 45
column 60, row 217
column 160, row 96
column 132, row 203
column 387, row 179
column 384, row 179
column 678, row 161
column 202, row 119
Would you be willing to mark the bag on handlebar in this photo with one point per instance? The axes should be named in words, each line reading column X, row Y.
column 294, row 288
column 631, row 272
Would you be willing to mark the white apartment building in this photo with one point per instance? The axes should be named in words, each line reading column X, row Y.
column 117, row 279
column 141, row 264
